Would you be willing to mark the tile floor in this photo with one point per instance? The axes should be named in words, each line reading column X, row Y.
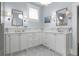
column 36, row 51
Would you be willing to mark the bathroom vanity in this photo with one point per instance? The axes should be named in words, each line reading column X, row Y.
column 55, row 41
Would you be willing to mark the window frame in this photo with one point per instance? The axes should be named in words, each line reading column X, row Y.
column 34, row 7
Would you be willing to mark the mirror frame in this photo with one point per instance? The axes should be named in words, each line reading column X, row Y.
column 60, row 11
column 13, row 19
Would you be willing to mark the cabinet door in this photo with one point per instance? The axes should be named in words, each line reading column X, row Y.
column 24, row 41
column 7, row 47
column 36, row 39
column 33, row 39
column 61, row 44
column 15, row 42
column 50, row 40
column 30, row 40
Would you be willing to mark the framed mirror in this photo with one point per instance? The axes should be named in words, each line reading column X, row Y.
column 61, row 17
column 17, row 18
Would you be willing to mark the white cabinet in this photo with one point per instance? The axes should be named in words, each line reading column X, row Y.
column 36, row 39
column 30, row 40
column 12, row 43
column 56, row 42
column 25, row 40
column 49, row 40
column 15, row 42
column 20, row 41
column 33, row 39
column 61, row 44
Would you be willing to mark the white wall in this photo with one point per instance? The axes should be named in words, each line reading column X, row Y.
column 22, row 6
column 52, row 8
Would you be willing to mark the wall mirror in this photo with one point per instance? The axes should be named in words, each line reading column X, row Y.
column 61, row 17
column 17, row 18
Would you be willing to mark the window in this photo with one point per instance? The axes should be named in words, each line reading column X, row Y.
column 33, row 13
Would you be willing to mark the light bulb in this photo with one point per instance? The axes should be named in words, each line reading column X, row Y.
column 61, row 17
column 8, row 14
column 20, row 16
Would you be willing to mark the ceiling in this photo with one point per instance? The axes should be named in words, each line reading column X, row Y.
column 38, row 3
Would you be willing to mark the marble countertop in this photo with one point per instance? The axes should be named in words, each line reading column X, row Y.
column 46, row 30
column 40, row 32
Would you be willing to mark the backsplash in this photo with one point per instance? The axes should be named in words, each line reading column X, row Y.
column 23, row 29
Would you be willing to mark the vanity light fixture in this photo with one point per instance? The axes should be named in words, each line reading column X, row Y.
column 67, row 12
column 8, row 14
column 25, row 18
